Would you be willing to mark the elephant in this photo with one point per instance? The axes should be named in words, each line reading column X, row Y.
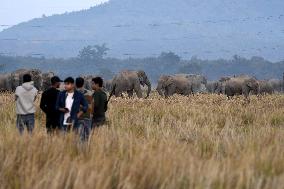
column 46, row 77
column 108, row 85
column 88, row 81
column 5, row 82
column 169, row 85
column 241, row 85
column 220, row 85
column 129, row 81
column 213, row 87
column 276, row 84
column 198, row 82
column 17, row 77
column 36, row 77
column 265, row 87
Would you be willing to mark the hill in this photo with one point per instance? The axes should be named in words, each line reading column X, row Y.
column 139, row 28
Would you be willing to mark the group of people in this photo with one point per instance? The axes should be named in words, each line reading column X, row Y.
column 74, row 109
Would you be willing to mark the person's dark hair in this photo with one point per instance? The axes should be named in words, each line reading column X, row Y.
column 69, row 80
column 27, row 78
column 79, row 82
column 98, row 80
column 54, row 80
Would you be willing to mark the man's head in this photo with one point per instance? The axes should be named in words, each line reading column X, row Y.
column 79, row 82
column 97, row 83
column 69, row 84
column 55, row 81
column 27, row 78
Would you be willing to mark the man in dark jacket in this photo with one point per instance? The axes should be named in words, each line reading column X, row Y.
column 48, row 105
column 71, row 104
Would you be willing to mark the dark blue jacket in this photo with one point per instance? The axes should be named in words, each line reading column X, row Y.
column 79, row 103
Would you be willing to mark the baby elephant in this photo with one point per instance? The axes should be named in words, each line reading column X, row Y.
column 169, row 85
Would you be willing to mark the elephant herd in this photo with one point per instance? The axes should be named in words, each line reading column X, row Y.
column 187, row 84
column 130, row 82
column 244, row 85
column 9, row 81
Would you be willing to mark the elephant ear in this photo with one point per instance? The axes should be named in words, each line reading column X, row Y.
column 141, row 76
column 250, row 83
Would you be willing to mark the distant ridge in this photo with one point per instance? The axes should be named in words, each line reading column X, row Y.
column 206, row 28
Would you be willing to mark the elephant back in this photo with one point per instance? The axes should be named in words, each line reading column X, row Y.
column 5, row 82
column 125, row 79
column 36, row 77
column 46, row 80
column 88, row 81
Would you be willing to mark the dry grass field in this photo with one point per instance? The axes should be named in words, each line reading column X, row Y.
column 202, row 141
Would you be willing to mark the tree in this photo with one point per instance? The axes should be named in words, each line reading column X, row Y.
column 191, row 68
column 169, row 57
column 2, row 67
column 95, row 52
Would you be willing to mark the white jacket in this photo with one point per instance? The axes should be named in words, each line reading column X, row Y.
column 25, row 98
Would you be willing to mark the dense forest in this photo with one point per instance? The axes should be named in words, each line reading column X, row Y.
column 93, row 60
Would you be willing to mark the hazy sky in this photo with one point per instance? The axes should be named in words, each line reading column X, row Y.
column 15, row 11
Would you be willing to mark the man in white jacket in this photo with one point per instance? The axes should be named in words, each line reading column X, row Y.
column 25, row 104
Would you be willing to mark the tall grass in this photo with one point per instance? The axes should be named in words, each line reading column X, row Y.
column 202, row 141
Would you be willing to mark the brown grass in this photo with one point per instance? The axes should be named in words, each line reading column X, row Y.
column 203, row 141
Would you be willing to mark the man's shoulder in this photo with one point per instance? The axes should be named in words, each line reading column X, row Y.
column 100, row 94
column 18, row 89
column 61, row 93
column 35, row 92
column 78, row 94
column 46, row 92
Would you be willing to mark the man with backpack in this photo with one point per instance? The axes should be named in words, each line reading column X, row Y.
column 99, row 102
column 85, row 121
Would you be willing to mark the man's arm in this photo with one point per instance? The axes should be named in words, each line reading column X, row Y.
column 92, row 107
column 36, row 93
column 84, row 105
column 43, row 104
column 59, row 105
column 16, row 94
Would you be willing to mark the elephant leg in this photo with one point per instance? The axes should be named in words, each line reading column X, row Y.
column 117, row 93
column 138, row 90
column 245, row 92
column 170, row 90
column 130, row 93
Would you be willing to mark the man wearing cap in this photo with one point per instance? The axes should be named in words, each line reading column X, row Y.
column 48, row 105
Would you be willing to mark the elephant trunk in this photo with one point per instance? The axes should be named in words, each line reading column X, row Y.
column 159, row 89
column 147, row 82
